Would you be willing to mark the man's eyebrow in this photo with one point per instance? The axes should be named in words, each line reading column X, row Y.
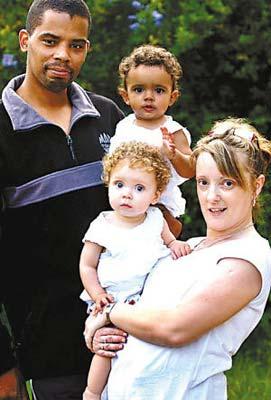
column 43, row 34
column 53, row 36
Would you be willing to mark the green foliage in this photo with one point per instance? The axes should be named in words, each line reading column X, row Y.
column 250, row 376
column 224, row 47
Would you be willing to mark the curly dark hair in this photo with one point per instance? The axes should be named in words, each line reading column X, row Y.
column 150, row 55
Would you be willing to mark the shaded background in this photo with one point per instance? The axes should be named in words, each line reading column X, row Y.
column 224, row 47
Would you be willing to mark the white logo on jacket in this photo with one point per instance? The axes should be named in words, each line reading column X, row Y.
column 104, row 140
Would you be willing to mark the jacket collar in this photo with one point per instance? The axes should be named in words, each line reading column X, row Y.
column 24, row 118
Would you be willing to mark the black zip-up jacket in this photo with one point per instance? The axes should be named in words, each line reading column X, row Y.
column 51, row 190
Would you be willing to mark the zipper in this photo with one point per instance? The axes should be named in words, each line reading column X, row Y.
column 70, row 144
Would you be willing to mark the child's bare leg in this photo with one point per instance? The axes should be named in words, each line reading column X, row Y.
column 97, row 377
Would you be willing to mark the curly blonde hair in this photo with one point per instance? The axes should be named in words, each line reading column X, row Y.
column 150, row 55
column 139, row 155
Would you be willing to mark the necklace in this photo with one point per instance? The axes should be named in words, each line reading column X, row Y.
column 204, row 243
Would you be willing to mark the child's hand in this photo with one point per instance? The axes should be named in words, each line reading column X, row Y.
column 179, row 249
column 169, row 148
column 101, row 300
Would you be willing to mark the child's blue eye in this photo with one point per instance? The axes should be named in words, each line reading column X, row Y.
column 139, row 188
column 119, row 184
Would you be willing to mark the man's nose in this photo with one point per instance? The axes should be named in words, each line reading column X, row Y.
column 62, row 52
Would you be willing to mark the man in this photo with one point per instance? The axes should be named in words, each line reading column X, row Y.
column 53, row 135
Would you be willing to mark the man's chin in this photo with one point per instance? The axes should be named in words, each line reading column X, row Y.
column 57, row 85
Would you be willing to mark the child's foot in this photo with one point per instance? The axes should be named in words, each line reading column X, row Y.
column 88, row 395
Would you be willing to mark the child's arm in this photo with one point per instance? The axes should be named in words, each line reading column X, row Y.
column 177, row 149
column 88, row 272
column 177, row 247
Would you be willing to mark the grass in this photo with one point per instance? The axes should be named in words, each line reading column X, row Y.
column 250, row 376
column 249, row 379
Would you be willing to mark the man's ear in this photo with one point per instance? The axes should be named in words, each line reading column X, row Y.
column 174, row 96
column 124, row 95
column 23, row 40
column 89, row 47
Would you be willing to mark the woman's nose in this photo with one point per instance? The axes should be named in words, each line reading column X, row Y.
column 213, row 193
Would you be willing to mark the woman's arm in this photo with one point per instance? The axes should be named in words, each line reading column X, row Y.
column 88, row 272
column 235, row 283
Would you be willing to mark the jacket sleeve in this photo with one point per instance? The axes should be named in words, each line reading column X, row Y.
column 7, row 359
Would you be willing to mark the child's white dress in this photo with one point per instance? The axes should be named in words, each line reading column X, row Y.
column 127, row 130
column 129, row 254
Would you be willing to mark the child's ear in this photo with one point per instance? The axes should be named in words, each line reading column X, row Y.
column 156, row 198
column 174, row 96
column 124, row 95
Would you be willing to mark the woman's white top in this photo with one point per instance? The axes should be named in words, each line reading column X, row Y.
column 144, row 371
column 129, row 254
column 127, row 130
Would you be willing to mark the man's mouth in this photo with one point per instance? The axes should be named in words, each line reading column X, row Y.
column 59, row 71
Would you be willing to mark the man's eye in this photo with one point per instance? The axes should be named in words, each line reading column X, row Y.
column 49, row 42
column 139, row 188
column 77, row 46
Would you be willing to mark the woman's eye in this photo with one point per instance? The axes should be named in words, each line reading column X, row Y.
column 139, row 188
column 202, row 182
column 228, row 183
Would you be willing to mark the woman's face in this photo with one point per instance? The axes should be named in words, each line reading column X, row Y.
column 226, row 207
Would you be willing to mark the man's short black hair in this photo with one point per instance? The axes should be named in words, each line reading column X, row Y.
column 39, row 7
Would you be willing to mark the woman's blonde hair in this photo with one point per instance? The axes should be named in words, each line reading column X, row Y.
column 238, row 149
column 139, row 155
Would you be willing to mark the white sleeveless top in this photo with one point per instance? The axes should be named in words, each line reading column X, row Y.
column 127, row 130
column 129, row 255
column 144, row 371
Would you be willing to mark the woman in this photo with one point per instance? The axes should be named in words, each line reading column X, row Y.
column 196, row 312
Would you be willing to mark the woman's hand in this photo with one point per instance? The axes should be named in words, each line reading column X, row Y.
column 93, row 322
column 107, row 341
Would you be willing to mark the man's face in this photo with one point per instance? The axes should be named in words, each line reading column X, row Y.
column 56, row 50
